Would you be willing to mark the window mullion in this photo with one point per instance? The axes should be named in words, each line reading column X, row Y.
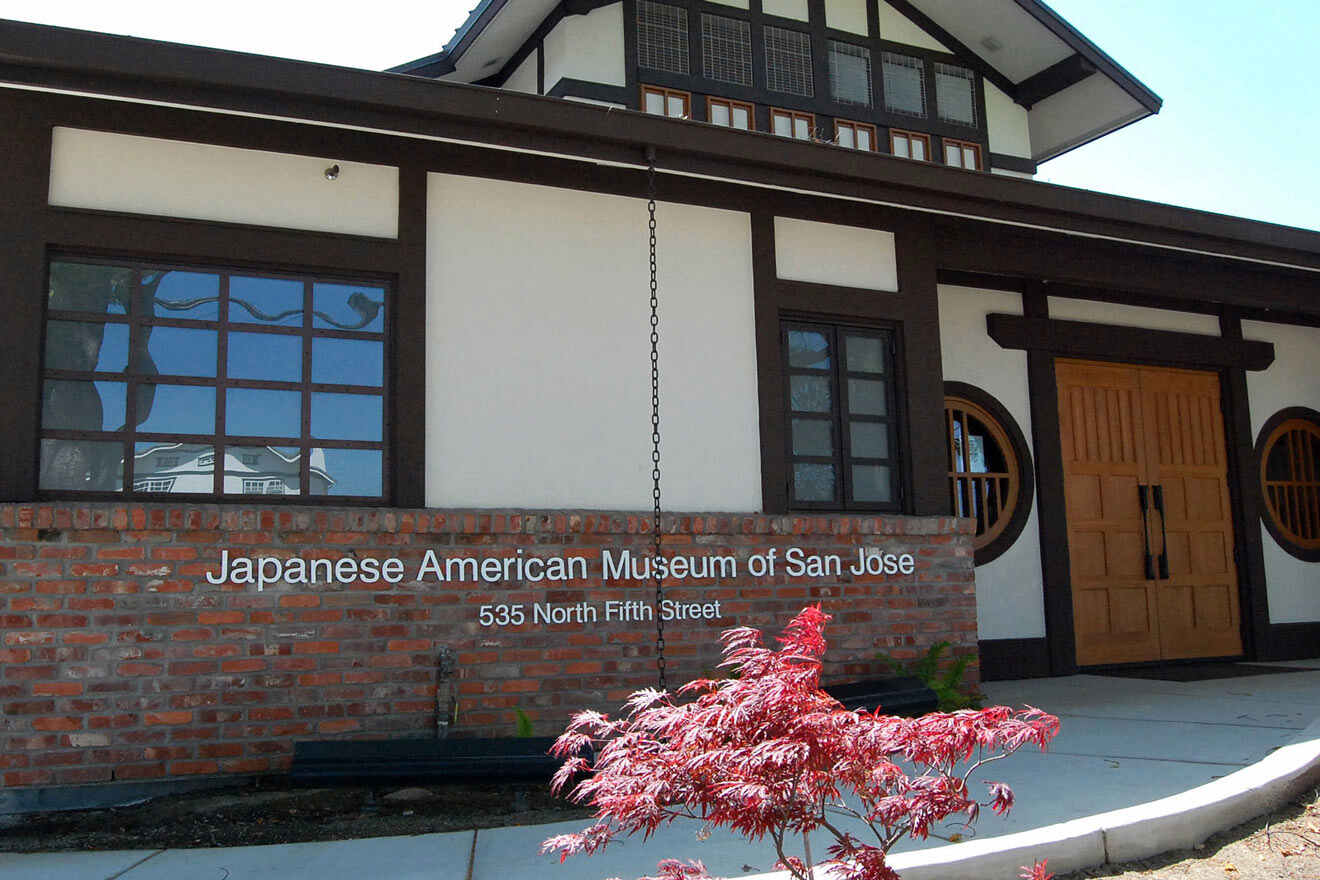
column 304, row 462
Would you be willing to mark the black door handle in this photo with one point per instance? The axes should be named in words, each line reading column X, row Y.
column 1142, row 490
column 1157, row 492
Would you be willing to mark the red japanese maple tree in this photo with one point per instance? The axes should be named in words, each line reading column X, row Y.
column 767, row 753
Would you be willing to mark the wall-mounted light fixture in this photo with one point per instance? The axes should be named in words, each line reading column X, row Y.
column 332, row 173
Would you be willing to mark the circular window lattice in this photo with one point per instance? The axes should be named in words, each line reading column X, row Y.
column 989, row 468
column 1289, row 455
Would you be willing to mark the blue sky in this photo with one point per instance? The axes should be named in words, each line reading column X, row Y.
column 1239, row 133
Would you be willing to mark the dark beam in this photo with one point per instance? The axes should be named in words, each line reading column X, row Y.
column 979, row 64
column 1053, row 80
column 1110, row 342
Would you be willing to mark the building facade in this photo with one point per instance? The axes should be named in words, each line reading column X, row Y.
column 1056, row 429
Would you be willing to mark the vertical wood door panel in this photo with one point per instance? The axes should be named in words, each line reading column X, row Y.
column 1122, row 427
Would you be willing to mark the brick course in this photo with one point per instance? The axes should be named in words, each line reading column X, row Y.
column 118, row 660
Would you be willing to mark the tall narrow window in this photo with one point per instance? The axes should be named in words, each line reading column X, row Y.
column 905, row 84
column 962, row 154
column 842, row 431
column 790, row 123
column 788, row 62
column 662, row 37
column 909, row 145
column 955, row 94
column 850, row 74
column 733, row 114
column 169, row 379
column 726, row 49
column 673, row 103
column 854, row 135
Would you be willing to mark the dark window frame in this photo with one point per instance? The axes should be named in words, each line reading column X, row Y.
column 1266, row 441
column 220, row 443
column 841, row 418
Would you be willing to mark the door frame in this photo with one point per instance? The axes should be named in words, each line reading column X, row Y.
column 1230, row 358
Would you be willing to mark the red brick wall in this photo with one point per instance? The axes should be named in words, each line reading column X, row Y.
column 120, row 661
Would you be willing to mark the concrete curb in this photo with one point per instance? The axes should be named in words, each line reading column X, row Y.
column 1177, row 822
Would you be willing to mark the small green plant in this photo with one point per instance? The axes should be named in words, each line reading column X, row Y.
column 522, row 728
column 953, row 694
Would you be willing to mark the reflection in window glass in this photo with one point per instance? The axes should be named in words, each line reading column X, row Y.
column 270, row 356
column 866, row 354
column 346, row 416
column 274, row 301
column 810, row 393
column 128, row 368
column 83, row 406
column 348, row 307
column 872, row 483
column 175, row 409
column 808, row 349
column 349, row 472
column 176, row 351
column 813, row 482
column 347, row 362
column 101, row 348
column 813, row 437
column 81, row 466
column 255, row 412
column 177, row 294
column 867, row 398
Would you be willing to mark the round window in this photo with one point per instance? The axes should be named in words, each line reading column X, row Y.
column 1289, row 454
column 990, row 474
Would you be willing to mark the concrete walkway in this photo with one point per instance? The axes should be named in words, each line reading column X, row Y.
column 1123, row 742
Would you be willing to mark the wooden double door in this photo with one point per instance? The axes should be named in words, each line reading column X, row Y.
column 1150, row 522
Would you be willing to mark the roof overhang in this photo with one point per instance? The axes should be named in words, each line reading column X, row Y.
column 99, row 66
column 1074, row 92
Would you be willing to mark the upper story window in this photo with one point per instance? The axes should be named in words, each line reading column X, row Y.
column 788, row 62
column 726, row 49
column 734, row 114
column 854, row 135
column 955, row 94
column 151, row 368
column 662, row 37
column 667, row 102
column 962, row 154
column 905, row 84
column 850, row 74
column 790, row 123
column 909, row 145
column 842, row 431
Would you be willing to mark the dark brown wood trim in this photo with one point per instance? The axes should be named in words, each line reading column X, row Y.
column 1053, row 79
column 1011, row 659
column 1056, row 570
column 25, row 143
column 769, row 366
column 1013, row 163
column 407, row 370
column 1290, row 641
column 1244, row 494
column 1110, row 342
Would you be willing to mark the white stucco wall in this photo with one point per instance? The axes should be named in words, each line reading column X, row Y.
column 1010, row 590
column 826, row 253
column 796, row 9
column 1132, row 316
column 138, row 175
column 524, row 78
column 1009, row 128
column 1292, row 380
column 846, row 15
column 587, row 47
column 538, row 365
column 899, row 28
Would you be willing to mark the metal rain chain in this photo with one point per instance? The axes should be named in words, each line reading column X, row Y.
column 655, row 428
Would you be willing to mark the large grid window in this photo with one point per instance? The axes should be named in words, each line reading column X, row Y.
column 850, row 74
column 662, row 37
column 842, row 431
column 726, row 49
column 788, row 62
column 955, row 94
column 162, row 379
column 905, row 84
